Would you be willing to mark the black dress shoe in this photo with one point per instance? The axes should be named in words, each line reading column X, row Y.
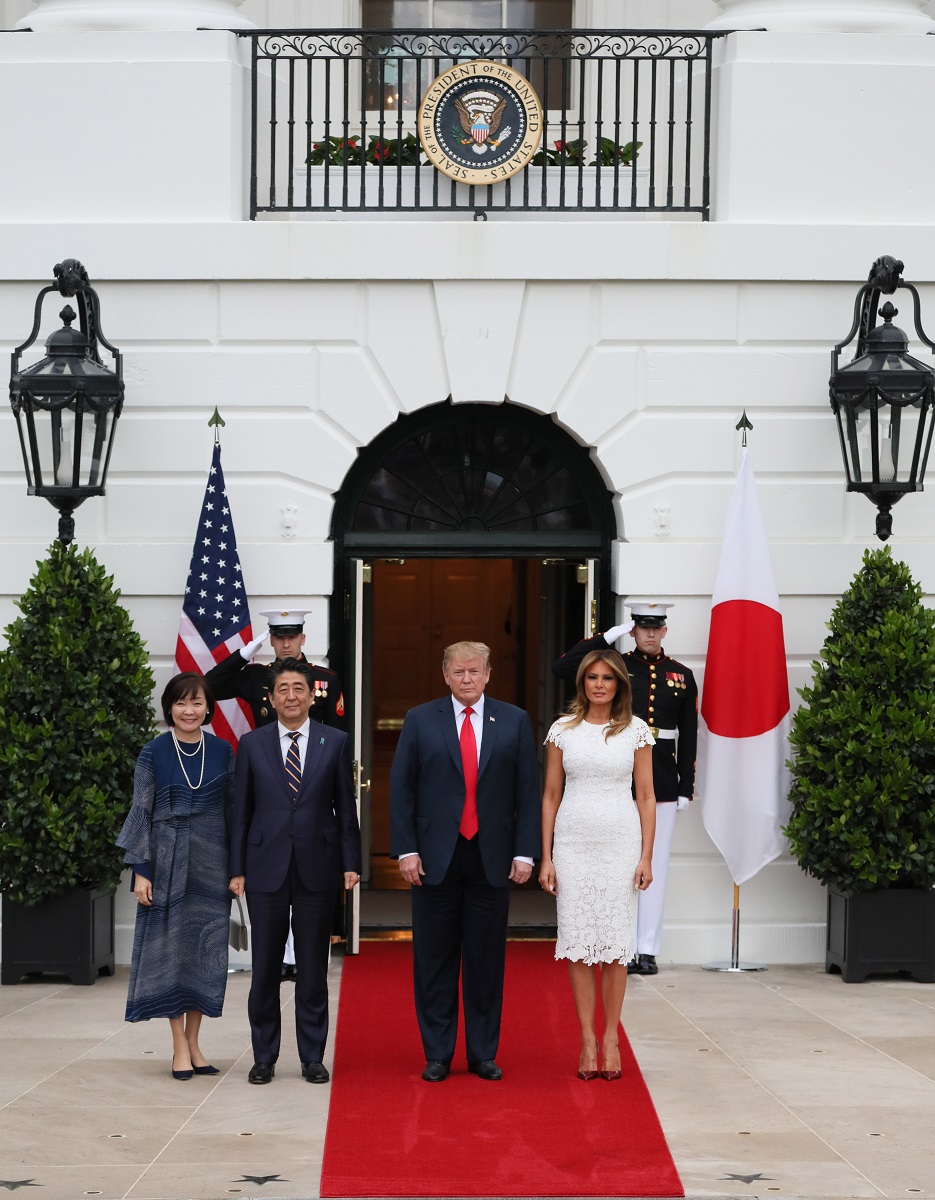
column 487, row 1069
column 435, row 1071
column 288, row 971
column 262, row 1073
column 633, row 966
column 648, row 964
column 315, row 1072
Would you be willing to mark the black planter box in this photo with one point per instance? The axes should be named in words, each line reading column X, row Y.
column 72, row 935
column 882, row 932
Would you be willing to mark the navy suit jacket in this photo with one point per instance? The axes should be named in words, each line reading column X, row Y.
column 321, row 828
column 427, row 789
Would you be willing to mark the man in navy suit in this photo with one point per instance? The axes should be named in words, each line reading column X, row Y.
column 294, row 839
column 464, row 815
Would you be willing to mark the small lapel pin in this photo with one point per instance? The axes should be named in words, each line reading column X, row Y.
column 491, row 720
column 321, row 741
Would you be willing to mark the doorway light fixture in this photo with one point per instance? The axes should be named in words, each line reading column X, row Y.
column 884, row 399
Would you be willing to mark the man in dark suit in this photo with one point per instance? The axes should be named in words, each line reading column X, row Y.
column 294, row 837
column 464, row 815
column 238, row 677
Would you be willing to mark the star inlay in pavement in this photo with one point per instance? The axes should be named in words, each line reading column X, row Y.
column 259, row 1180
column 747, row 1178
column 12, row 1184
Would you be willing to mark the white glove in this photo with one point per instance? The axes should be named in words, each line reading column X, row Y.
column 618, row 631
column 681, row 803
column 247, row 652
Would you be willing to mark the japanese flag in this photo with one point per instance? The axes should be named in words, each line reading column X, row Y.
column 743, row 783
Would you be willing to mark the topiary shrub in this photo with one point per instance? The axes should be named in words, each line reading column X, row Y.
column 75, row 688
column 863, row 790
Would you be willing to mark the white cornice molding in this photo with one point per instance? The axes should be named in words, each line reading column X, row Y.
column 65, row 15
column 824, row 16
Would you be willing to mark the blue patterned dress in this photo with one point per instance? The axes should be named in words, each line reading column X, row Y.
column 180, row 943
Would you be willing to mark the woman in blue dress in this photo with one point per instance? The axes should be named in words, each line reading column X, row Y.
column 176, row 839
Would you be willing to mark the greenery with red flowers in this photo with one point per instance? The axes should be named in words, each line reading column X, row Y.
column 572, row 154
column 391, row 152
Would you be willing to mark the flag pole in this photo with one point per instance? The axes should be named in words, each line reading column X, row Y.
column 735, row 965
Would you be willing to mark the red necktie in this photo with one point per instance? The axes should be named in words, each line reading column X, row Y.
column 468, row 827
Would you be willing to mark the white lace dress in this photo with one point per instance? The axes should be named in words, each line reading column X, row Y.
column 597, row 842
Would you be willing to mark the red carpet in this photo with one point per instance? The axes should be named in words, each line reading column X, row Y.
column 540, row 1131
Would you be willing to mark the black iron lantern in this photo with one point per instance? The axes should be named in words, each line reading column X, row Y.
column 884, row 400
column 67, row 405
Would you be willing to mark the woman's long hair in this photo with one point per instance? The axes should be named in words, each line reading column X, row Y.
column 621, row 709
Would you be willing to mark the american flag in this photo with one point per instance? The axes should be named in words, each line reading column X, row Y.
column 215, row 612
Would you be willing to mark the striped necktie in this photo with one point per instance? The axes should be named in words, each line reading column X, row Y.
column 294, row 766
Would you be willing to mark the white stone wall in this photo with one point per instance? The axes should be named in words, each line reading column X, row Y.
column 645, row 338
column 300, row 14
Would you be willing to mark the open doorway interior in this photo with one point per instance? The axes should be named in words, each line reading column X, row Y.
column 528, row 610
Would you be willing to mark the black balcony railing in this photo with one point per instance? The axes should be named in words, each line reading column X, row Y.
column 626, row 121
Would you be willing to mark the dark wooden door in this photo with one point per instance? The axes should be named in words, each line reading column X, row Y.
column 420, row 606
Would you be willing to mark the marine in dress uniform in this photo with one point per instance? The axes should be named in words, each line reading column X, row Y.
column 665, row 695
column 236, row 677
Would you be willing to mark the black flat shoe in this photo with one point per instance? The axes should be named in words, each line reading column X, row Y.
column 207, row 1069
column 315, row 1072
column 186, row 1074
column 435, row 1071
column 487, row 1069
column 261, row 1073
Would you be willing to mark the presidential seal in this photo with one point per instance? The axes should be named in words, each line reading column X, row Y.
column 480, row 122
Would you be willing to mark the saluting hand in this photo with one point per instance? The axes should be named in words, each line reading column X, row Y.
column 247, row 652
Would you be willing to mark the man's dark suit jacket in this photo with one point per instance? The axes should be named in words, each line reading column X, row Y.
column 321, row 828
column 427, row 789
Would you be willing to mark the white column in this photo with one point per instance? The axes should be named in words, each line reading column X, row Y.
column 825, row 16
column 135, row 15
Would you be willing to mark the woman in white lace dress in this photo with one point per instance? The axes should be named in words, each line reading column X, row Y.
column 597, row 845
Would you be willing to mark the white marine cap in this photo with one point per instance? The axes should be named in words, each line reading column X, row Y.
column 285, row 620
column 650, row 614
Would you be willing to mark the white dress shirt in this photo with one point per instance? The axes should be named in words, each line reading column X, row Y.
column 285, row 741
column 477, row 719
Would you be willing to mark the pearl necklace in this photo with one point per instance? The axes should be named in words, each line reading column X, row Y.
column 179, row 751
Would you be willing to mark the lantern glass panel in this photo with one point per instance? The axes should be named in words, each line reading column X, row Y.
column 64, row 460
column 891, row 428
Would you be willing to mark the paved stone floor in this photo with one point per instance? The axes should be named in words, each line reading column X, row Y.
column 786, row 1083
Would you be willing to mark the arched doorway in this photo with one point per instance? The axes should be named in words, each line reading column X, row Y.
column 460, row 521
